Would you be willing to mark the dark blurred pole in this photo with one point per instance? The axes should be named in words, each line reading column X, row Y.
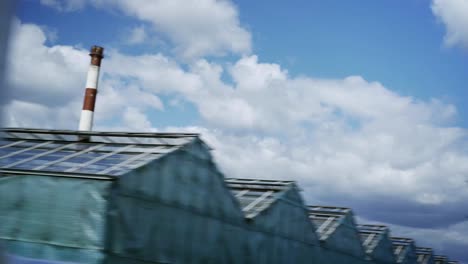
column 6, row 14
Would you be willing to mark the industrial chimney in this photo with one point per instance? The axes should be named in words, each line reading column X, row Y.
column 86, row 119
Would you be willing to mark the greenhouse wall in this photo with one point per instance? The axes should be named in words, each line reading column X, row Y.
column 55, row 218
column 176, row 209
column 383, row 252
column 330, row 255
column 282, row 233
column 411, row 257
column 344, row 244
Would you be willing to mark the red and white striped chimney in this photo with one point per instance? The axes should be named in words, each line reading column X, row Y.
column 86, row 119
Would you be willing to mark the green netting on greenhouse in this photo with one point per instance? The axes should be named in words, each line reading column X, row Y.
column 52, row 217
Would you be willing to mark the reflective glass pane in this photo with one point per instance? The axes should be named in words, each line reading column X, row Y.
column 56, row 168
column 79, row 159
column 26, row 166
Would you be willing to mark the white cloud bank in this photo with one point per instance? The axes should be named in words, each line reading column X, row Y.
column 197, row 28
column 454, row 15
column 136, row 35
column 47, row 84
column 50, row 72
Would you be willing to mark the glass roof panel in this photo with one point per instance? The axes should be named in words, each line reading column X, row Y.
column 58, row 168
column 106, row 153
column 27, row 166
column 80, row 159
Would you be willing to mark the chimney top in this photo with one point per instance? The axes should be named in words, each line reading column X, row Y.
column 97, row 51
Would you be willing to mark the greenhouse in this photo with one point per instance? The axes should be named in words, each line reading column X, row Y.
column 277, row 221
column 93, row 197
column 424, row 255
column 338, row 234
column 115, row 197
column 404, row 250
column 377, row 243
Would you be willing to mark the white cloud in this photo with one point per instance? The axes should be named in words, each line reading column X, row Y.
column 47, row 84
column 155, row 72
column 137, row 35
column 40, row 73
column 27, row 114
column 454, row 15
column 263, row 97
column 115, row 96
column 135, row 120
column 251, row 75
column 197, row 28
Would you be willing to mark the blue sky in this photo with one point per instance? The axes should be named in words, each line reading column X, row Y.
column 359, row 102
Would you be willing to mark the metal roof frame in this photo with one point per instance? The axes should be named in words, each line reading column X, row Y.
column 7, row 172
column 401, row 246
column 371, row 235
column 423, row 254
column 440, row 259
column 256, row 195
column 98, row 133
column 327, row 219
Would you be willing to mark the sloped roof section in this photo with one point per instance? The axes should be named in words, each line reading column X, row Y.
column 440, row 259
column 93, row 153
column 327, row 218
column 254, row 195
column 402, row 248
column 371, row 235
column 424, row 255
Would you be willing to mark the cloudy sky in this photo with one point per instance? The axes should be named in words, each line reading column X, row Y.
column 364, row 105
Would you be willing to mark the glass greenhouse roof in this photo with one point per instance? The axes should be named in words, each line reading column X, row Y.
column 73, row 152
column 371, row 235
column 424, row 255
column 327, row 219
column 440, row 259
column 255, row 196
column 401, row 246
column 380, row 229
